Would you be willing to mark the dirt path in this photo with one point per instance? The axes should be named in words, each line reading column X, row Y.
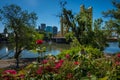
column 11, row 62
column 7, row 63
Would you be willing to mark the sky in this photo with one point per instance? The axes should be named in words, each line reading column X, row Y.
column 47, row 10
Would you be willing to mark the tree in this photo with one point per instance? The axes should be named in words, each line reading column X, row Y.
column 100, row 35
column 22, row 25
column 114, row 15
column 80, row 27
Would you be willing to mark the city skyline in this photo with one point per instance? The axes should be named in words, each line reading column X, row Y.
column 47, row 10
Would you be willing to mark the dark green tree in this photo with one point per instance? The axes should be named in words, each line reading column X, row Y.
column 80, row 27
column 114, row 16
column 100, row 35
column 22, row 25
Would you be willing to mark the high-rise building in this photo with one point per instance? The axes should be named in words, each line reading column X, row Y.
column 55, row 30
column 43, row 27
column 49, row 29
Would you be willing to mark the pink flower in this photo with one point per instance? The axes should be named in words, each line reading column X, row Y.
column 76, row 63
column 117, row 63
column 39, row 42
column 61, row 61
column 10, row 72
column 67, row 56
column 44, row 61
column 58, row 64
column 118, row 55
column 21, row 76
column 40, row 70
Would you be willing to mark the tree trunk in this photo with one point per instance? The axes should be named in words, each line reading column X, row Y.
column 18, row 50
column 17, row 58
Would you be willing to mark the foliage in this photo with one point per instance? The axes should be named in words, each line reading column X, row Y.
column 84, row 68
column 80, row 27
column 22, row 26
column 114, row 14
column 93, row 53
column 114, row 73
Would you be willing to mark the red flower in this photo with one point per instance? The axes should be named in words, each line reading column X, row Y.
column 117, row 63
column 39, row 42
column 118, row 55
column 67, row 56
column 10, row 72
column 40, row 70
column 21, row 76
column 58, row 64
column 76, row 62
column 44, row 61
column 61, row 61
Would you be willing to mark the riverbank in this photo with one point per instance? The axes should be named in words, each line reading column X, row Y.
column 11, row 63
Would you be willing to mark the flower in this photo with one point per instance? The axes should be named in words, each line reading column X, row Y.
column 44, row 61
column 58, row 64
column 118, row 55
column 117, row 63
column 39, row 41
column 76, row 62
column 67, row 56
column 10, row 72
column 61, row 61
column 21, row 76
column 40, row 70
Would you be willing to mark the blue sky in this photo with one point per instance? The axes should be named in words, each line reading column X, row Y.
column 47, row 10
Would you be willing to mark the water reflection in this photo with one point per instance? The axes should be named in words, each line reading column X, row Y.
column 6, row 51
column 112, row 48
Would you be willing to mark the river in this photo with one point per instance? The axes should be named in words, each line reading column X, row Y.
column 6, row 51
column 54, row 49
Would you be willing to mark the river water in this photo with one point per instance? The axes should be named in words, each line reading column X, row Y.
column 112, row 48
column 6, row 51
column 54, row 49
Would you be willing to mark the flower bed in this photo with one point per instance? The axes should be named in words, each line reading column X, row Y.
column 51, row 68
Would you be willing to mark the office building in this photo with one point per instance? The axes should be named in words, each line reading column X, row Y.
column 49, row 29
column 55, row 30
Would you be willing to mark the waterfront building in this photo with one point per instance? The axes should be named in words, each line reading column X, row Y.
column 42, row 27
column 55, row 30
column 49, row 29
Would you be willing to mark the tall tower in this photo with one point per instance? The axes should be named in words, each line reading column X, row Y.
column 82, row 8
column 88, row 15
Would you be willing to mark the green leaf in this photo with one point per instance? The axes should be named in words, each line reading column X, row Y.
column 33, row 51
